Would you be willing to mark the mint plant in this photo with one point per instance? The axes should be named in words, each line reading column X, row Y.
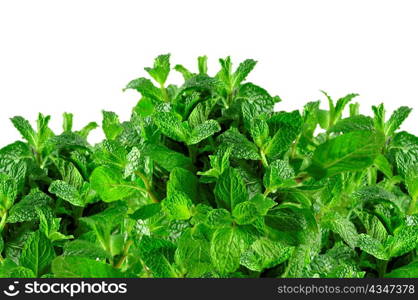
column 206, row 179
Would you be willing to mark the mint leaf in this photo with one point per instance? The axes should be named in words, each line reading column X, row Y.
column 82, row 267
column 111, row 125
column 265, row 253
column 227, row 246
column 349, row 152
column 37, row 253
column 161, row 68
column 279, row 175
column 177, row 206
column 230, row 189
column 111, row 186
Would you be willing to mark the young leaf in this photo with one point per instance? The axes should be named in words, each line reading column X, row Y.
column 111, row 125
column 177, row 206
column 396, row 119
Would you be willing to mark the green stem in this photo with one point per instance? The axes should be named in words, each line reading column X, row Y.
column 264, row 159
column 412, row 205
column 164, row 92
column 266, row 192
column 3, row 221
column 124, row 254
column 381, row 267
column 192, row 153
column 148, row 186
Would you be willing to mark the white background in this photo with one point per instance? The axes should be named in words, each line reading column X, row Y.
column 76, row 56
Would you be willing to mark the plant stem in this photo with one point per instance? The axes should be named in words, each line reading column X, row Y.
column 148, row 186
column 164, row 92
column 412, row 206
column 266, row 192
column 381, row 267
column 124, row 254
column 264, row 159
column 192, row 153
column 3, row 221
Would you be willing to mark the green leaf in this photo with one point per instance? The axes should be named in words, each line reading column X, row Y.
column 67, row 124
column 245, row 213
column 111, row 125
column 404, row 241
column 37, row 253
column 25, row 209
column 105, row 221
column 259, row 130
column 279, row 175
column 186, row 73
column 383, row 165
column 379, row 117
column 50, row 226
column 144, row 107
column 230, row 189
column 202, row 64
column 411, row 181
column 404, row 148
column 82, row 267
column 26, row 130
column 8, row 192
column 353, row 123
column 201, row 112
column 342, row 226
column 341, row 104
column 192, row 254
column 110, row 185
column 262, row 203
column 21, row 272
column 218, row 217
column 85, row 131
column 300, row 258
column 407, row 271
column 176, row 183
column 167, row 158
column 158, row 256
column 203, row 131
column 264, row 254
column 177, row 206
column 146, row 88
column 226, row 248
column 171, row 126
column 353, row 151
column 243, row 70
column 396, row 119
column 240, row 146
column 146, row 211
column 161, row 68
column 284, row 127
column 111, row 153
column 67, row 192
column 86, row 249
column 372, row 246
